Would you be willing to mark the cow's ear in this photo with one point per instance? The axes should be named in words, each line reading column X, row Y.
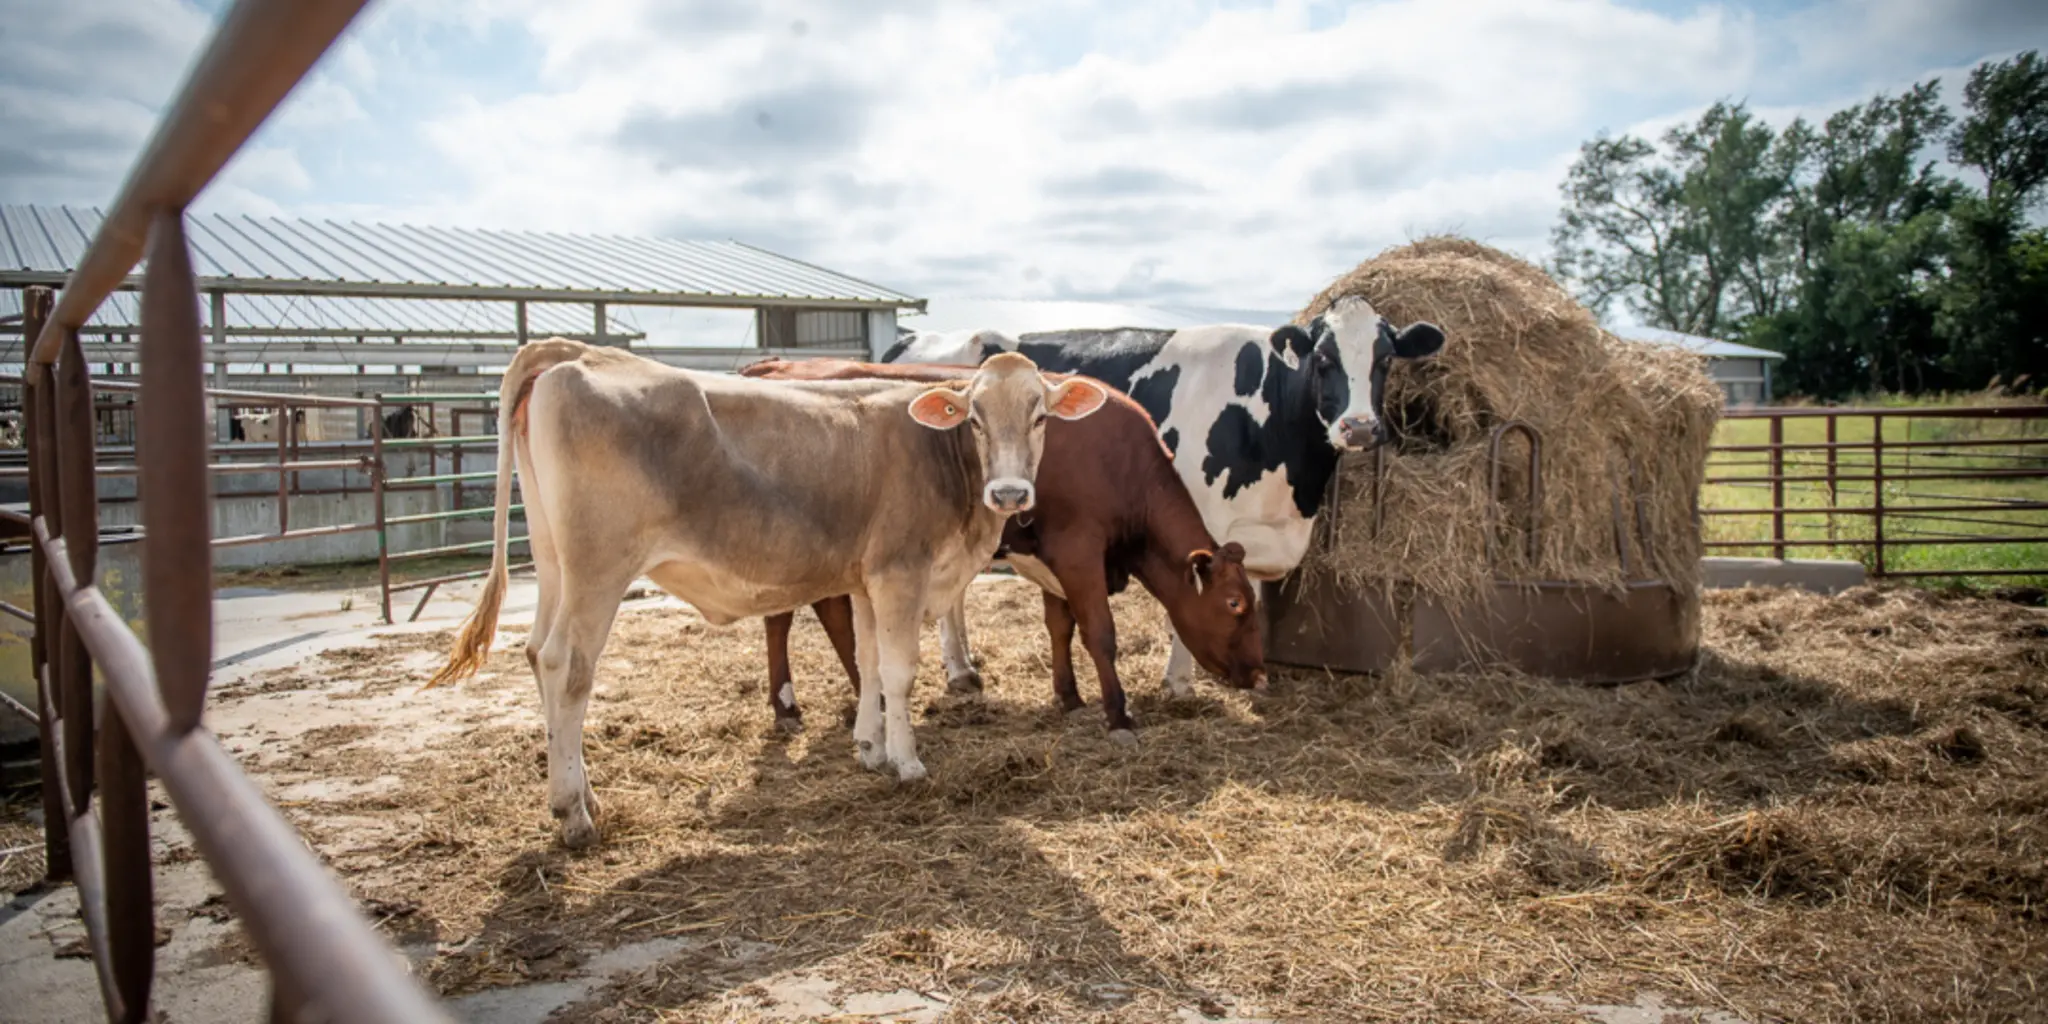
column 1201, row 564
column 1289, row 342
column 939, row 409
column 1075, row 398
column 1418, row 340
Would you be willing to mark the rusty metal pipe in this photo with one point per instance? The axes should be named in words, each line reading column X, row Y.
column 300, row 919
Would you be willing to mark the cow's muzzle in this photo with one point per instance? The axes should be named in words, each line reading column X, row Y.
column 1009, row 496
column 1358, row 433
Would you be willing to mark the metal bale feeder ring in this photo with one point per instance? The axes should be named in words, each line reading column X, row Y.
column 1647, row 628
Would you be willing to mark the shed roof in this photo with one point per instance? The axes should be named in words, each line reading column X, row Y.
column 1711, row 347
column 1023, row 316
column 279, row 256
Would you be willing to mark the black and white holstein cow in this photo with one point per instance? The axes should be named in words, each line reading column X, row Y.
column 1256, row 417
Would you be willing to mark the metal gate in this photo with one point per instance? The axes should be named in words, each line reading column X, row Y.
column 326, row 961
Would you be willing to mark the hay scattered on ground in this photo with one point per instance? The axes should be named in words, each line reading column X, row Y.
column 1625, row 428
column 1840, row 816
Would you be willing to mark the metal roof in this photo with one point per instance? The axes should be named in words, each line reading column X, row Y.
column 1023, row 316
column 278, row 256
column 321, row 316
column 1710, row 347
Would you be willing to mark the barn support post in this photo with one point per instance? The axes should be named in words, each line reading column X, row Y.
column 597, row 324
column 519, row 321
column 218, row 304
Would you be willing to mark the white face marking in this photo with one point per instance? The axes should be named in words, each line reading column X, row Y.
column 1356, row 327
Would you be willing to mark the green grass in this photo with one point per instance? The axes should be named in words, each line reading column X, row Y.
column 1938, row 540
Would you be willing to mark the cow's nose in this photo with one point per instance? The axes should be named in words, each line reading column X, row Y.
column 1358, row 433
column 1009, row 496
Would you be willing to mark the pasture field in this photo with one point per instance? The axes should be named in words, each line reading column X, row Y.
column 1841, row 815
column 1943, row 540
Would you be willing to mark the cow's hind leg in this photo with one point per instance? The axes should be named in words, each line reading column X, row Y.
column 1059, row 628
column 781, row 691
column 836, row 615
column 868, row 732
column 961, row 675
column 567, row 666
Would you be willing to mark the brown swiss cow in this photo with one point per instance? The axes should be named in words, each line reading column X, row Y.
column 1109, row 507
column 744, row 498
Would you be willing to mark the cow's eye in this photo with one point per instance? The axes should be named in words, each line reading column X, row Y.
column 1234, row 606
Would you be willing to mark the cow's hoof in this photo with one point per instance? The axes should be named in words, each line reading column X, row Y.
column 1124, row 737
column 578, row 832
column 871, row 756
column 1075, row 712
column 910, row 771
column 1181, row 687
column 966, row 682
column 789, row 724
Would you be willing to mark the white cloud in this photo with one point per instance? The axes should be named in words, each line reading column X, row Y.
column 1169, row 150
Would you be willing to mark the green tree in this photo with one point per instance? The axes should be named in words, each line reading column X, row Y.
column 1843, row 245
column 1994, row 301
column 2005, row 136
column 1687, row 235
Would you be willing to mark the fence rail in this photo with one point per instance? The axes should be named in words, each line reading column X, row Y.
column 326, row 961
column 1867, row 495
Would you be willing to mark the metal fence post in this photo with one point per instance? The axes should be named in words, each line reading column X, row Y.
column 1877, row 489
column 377, row 505
column 1833, row 499
column 1778, row 488
column 35, row 310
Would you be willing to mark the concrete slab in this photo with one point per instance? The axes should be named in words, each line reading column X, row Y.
column 1821, row 576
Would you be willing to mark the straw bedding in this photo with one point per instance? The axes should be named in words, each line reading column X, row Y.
column 1839, row 816
column 1518, row 347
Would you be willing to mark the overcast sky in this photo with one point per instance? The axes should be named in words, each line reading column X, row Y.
column 1168, row 151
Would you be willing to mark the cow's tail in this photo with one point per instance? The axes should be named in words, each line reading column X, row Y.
column 473, row 644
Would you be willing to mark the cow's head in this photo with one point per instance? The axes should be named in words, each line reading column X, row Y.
column 1345, row 354
column 1006, row 404
column 1220, row 626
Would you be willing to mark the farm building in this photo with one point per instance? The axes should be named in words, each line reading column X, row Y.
column 304, row 306
column 1743, row 371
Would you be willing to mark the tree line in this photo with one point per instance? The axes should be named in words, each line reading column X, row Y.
column 1849, row 246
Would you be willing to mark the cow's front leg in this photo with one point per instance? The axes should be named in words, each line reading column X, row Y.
column 961, row 675
column 897, row 618
column 781, row 691
column 867, row 716
column 1180, row 667
column 1088, row 601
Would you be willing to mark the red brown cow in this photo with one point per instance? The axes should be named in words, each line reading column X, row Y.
column 1110, row 507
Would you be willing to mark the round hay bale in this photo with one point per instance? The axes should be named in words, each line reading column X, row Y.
column 1625, row 428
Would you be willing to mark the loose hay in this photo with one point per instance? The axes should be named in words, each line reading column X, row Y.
column 1787, row 834
column 1625, row 428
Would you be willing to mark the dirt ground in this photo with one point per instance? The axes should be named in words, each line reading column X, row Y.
column 1841, row 815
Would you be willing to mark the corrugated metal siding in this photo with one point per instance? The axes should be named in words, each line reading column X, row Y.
column 832, row 328
column 226, row 249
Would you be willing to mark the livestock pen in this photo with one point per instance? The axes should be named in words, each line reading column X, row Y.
column 1836, row 813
